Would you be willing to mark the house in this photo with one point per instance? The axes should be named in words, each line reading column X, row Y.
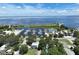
column 3, row 47
column 16, row 52
column 47, row 34
column 8, row 32
column 16, row 32
column 26, row 32
column 35, row 44
column 40, row 32
column 52, row 30
column 69, row 37
column 10, row 50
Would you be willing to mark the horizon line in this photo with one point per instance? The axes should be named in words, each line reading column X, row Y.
column 38, row 16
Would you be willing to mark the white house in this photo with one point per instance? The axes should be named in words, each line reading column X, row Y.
column 16, row 52
column 9, row 50
column 35, row 44
column 16, row 32
column 47, row 34
column 3, row 47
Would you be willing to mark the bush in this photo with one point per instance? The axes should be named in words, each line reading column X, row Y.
column 53, row 51
column 76, row 42
column 76, row 34
column 76, row 50
column 12, row 39
column 54, row 48
column 16, row 47
column 31, row 39
column 2, row 40
column 42, row 44
column 60, row 35
column 23, row 49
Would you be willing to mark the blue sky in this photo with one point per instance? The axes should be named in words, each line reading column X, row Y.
column 38, row 9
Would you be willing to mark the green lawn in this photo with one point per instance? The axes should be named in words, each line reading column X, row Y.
column 31, row 52
column 66, row 41
column 44, row 26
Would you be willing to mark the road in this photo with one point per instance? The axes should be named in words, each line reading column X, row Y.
column 68, row 51
column 66, row 47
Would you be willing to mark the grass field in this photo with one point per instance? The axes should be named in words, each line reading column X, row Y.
column 44, row 26
column 31, row 52
column 66, row 41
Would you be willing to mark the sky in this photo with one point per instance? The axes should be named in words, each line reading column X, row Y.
column 39, row 9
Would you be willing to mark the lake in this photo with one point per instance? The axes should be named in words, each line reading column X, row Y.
column 69, row 21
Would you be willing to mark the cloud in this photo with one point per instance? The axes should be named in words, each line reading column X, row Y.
column 3, row 7
column 38, row 10
column 18, row 7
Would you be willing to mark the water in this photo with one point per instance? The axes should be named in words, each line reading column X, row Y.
column 69, row 21
column 31, row 31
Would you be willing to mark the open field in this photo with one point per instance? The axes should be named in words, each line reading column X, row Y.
column 31, row 52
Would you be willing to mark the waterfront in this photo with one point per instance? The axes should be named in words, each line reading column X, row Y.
column 69, row 21
column 39, row 29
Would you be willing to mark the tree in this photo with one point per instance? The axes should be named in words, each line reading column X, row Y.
column 60, row 35
column 12, row 39
column 62, row 27
column 76, row 42
column 1, row 40
column 43, row 52
column 16, row 47
column 55, row 35
column 50, row 36
column 48, row 39
column 61, row 49
column 54, row 48
column 31, row 39
column 42, row 44
column 53, row 51
column 55, row 45
column 76, row 50
column 23, row 49
column 76, row 34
